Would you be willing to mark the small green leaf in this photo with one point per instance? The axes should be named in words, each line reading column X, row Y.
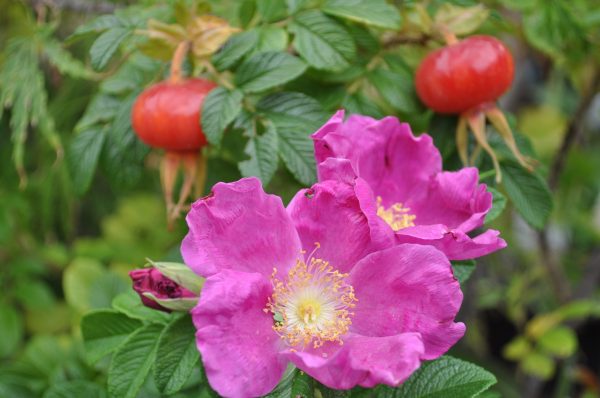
column 271, row 38
column 132, row 362
column 361, row 104
column 64, row 61
column 234, row 49
column 528, row 192
column 106, row 45
column 266, row 70
column 371, row 12
column 75, row 388
column 176, row 356
column 97, row 25
column 271, row 10
column 302, row 385
column 444, row 377
column 104, row 330
column 263, row 156
column 11, row 331
column 219, row 109
column 463, row 270
column 396, row 88
column 498, row 205
column 130, row 304
column 559, row 341
column 83, row 156
column 517, row 348
column 321, row 41
column 539, row 365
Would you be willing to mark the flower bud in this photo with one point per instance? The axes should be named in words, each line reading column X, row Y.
column 159, row 292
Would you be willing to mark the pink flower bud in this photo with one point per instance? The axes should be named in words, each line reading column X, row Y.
column 151, row 280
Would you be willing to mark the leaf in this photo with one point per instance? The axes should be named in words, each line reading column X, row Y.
column 83, row 156
column 97, row 25
column 539, row 365
column 104, row 330
column 75, row 388
column 64, row 61
column 11, row 331
column 517, row 348
column 219, row 109
column 78, row 279
column 528, row 192
column 271, row 38
column 463, row 270
column 321, row 41
column 302, row 385
column 271, row 10
column 361, row 104
column 106, row 45
column 396, row 88
column 130, row 304
column 498, row 205
column 371, row 12
column 180, row 274
column 234, row 49
column 132, row 362
column 266, row 70
column 176, row 356
column 461, row 20
column 444, row 377
column 263, row 156
column 559, row 341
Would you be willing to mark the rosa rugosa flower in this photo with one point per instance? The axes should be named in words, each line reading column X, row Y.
column 320, row 285
column 421, row 203
column 151, row 282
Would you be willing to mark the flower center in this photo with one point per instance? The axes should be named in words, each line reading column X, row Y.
column 312, row 304
column 396, row 216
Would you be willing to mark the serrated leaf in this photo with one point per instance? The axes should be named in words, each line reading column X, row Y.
column 104, row 330
column 271, row 38
column 219, row 109
column 132, row 362
column 498, row 205
column 75, row 388
column 296, row 150
column 360, row 104
column 302, row 385
column 463, row 270
column 177, row 355
column 64, row 61
column 559, row 341
column 130, row 304
column 97, row 25
column 528, row 192
column 396, row 89
column 321, row 41
column 83, row 156
column 263, row 156
column 106, row 45
column 371, row 12
column 266, row 70
column 295, row 5
column 235, row 48
column 271, row 10
column 442, row 378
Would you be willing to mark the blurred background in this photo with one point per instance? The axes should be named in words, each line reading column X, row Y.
column 81, row 202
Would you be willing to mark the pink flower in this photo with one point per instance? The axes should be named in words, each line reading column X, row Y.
column 419, row 201
column 151, row 280
column 352, row 309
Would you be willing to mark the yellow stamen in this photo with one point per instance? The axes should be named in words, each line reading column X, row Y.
column 396, row 216
column 311, row 305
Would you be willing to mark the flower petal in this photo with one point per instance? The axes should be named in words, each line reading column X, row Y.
column 362, row 360
column 235, row 336
column 330, row 213
column 404, row 289
column 239, row 227
column 384, row 152
column 455, row 199
column 455, row 244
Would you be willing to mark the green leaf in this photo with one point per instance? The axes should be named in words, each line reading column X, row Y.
column 97, row 25
column 219, row 109
column 266, row 70
column 498, row 204
column 263, row 156
column 396, row 88
column 461, row 20
column 176, row 356
column 528, row 192
column 295, row 5
column 517, row 348
column 78, row 279
column 463, row 270
column 104, row 330
column 361, row 104
column 130, row 304
column 180, row 274
column 271, row 38
column 539, row 365
column 371, row 12
column 11, row 331
column 64, row 61
column 271, row 10
column 302, row 385
column 83, row 156
column 559, row 341
column 132, row 362
column 106, row 45
column 75, row 388
column 444, row 377
column 321, row 41
column 234, row 49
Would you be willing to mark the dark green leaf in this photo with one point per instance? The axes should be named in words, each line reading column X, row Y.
column 442, row 378
column 528, row 192
column 177, row 355
column 371, row 12
column 271, row 10
column 263, row 156
column 132, row 362
column 64, row 61
column 106, row 45
column 104, row 330
column 235, row 48
column 361, row 104
column 83, row 156
column 130, row 304
column 97, row 25
column 266, row 70
column 302, row 385
column 396, row 89
column 11, row 331
column 498, row 205
column 75, row 388
column 219, row 109
column 463, row 270
column 321, row 41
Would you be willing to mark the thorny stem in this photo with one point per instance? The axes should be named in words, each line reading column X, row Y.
column 177, row 61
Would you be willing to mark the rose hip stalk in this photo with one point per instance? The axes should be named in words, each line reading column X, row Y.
column 466, row 78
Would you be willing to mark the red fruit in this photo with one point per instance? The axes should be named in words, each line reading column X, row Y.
column 464, row 75
column 167, row 115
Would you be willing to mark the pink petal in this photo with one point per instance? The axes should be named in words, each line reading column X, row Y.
column 330, row 213
column 235, row 336
column 408, row 289
column 362, row 360
column 455, row 244
column 239, row 227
